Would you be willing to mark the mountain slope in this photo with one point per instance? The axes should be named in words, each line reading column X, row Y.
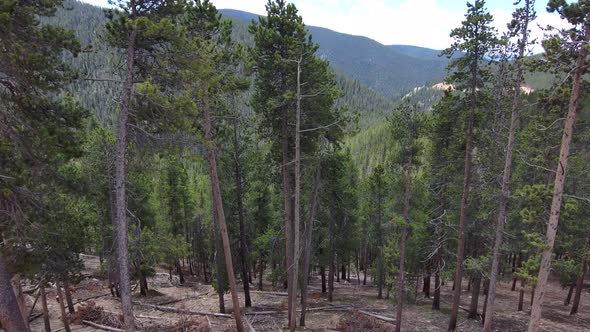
column 389, row 70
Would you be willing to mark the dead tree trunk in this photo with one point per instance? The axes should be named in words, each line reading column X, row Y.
column 559, row 183
column 10, row 315
column 331, row 248
column 120, row 188
column 218, row 203
column 62, row 307
column 46, row 322
column 68, row 295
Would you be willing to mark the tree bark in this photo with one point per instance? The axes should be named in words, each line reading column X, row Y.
column 521, row 295
column 68, row 295
column 474, row 298
column 297, row 208
column 404, row 238
column 569, row 293
column 307, row 248
column 579, row 286
column 218, row 203
column 46, row 322
column 120, row 190
column 241, row 219
column 559, row 184
column 62, row 307
column 10, row 315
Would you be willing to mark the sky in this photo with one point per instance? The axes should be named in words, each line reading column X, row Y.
column 425, row 23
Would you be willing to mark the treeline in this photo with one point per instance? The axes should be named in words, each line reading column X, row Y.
column 225, row 160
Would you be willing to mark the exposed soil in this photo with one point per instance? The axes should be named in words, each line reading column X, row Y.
column 350, row 300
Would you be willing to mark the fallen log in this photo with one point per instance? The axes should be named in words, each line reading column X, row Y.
column 182, row 311
column 269, row 293
column 90, row 298
column 383, row 318
column 102, row 327
column 183, row 299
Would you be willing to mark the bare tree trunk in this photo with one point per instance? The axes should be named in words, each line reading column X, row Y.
column 569, row 293
column 260, row 274
column 288, row 206
column 331, row 248
column 10, row 315
column 241, row 219
column 559, row 184
column 521, row 295
column 505, row 192
column 404, row 238
column 218, row 263
column 579, row 286
column 218, row 203
column 120, row 190
column 68, row 295
column 464, row 202
column 62, row 307
column 45, row 309
column 323, row 275
column 474, row 298
column 439, row 248
column 307, row 249
column 297, row 207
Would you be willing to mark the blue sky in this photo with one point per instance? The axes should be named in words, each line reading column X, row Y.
column 424, row 23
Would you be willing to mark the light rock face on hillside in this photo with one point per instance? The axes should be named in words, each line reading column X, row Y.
column 443, row 87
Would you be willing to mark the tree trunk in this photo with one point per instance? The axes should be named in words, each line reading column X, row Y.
column 179, row 271
column 404, row 238
column 331, row 244
column 521, row 295
column 260, row 274
column 474, row 298
column 218, row 203
column 241, row 219
column 297, row 207
column 46, row 322
column 68, row 295
column 559, row 184
column 533, row 295
column 515, row 263
column 62, row 307
column 120, row 190
column 143, row 285
column 505, row 192
column 436, row 298
column 579, row 286
column 569, row 293
column 307, row 248
column 426, row 288
column 323, row 275
column 10, row 315
column 464, row 201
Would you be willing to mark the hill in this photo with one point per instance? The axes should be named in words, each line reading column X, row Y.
column 388, row 70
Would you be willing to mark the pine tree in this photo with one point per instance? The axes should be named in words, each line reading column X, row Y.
column 475, row 38
column 578, row 14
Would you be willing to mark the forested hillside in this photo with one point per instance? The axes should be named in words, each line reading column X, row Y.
column 166, row 166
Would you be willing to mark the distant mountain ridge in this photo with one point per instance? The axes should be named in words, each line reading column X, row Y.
column 390, row 70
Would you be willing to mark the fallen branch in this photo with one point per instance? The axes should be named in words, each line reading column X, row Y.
column 182, row 311
column 180, row 300
column 102, row 327
column 250, row 325
column 383, row 318
column 90, row 298
column 35, row 316
column 269, row 293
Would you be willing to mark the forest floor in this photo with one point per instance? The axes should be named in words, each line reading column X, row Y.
column 350, row 311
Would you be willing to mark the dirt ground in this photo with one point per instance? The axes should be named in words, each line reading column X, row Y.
column 345, row 313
